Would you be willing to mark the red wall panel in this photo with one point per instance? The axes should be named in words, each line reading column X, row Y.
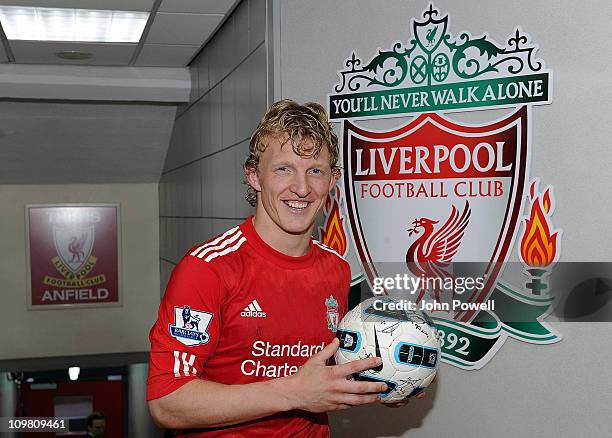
column 108, row 397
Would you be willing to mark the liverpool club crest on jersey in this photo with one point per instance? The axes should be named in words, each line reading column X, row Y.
column 331, row 314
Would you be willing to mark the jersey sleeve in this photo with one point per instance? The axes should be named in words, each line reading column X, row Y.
column 187, row 328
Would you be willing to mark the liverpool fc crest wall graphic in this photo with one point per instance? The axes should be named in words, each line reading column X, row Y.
column 73, row 255
column 433, row 193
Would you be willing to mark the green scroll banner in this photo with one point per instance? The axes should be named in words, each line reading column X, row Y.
column 486, row 93
column 471, row 346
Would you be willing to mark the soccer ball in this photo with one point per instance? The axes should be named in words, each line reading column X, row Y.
column 405, row 339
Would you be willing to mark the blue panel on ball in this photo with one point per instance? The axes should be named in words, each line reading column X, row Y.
column 349, row 340
column 415, row 355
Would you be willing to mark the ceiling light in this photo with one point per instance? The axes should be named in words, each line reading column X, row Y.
column 73, row 373
column 74, row 25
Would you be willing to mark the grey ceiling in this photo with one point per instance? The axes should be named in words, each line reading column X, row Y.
column 175, row 32
column 93, row 123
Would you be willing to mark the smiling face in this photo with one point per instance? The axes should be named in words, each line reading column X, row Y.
column 291, row 189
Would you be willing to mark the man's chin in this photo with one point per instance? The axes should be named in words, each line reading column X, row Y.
column 298, row 227
column 297, row 231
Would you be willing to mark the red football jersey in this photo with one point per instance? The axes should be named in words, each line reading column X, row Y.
column 237, row 311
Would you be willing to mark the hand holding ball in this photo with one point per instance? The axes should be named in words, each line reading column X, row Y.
column 405, row 340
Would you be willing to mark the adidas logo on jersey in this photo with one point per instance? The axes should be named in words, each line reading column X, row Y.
column 253, row 310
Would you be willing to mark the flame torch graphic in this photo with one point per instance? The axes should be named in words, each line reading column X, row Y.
column 332, row 233
column 538, row 250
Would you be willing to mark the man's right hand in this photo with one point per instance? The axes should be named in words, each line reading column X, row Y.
column 317, row 387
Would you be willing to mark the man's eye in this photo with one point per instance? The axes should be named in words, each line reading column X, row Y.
column 316, row 171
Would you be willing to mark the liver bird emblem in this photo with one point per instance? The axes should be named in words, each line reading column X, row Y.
column 76, row 247
column 433, row 251
column 431, row 36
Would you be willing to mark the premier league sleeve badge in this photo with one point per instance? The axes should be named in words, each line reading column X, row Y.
column 190, row 326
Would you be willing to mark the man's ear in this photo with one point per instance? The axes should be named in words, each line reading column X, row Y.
column 335, row 175
column 252, row 178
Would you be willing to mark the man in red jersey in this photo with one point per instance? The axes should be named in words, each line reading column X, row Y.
column 246, row 326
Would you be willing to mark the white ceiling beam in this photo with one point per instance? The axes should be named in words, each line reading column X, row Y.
column 57, row 82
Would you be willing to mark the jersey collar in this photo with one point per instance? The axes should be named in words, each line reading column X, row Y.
column 269, row 253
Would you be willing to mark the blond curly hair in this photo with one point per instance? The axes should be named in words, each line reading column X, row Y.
column 296, row 124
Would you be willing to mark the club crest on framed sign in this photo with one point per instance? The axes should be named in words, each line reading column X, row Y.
column 73, row 255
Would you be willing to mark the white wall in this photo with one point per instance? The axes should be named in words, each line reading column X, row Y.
column 200, row 192
column 555, row 390
column 53, row 333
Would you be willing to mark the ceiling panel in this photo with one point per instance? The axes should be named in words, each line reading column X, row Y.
column 165, row 55
column 121, row 5
column 192, row 29
column 36, row 52
column 197, row 6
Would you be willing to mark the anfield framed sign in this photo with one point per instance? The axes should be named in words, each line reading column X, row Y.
column 445, row 183
column 73, row 255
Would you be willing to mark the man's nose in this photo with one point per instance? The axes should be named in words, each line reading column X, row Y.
column 300, row 185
